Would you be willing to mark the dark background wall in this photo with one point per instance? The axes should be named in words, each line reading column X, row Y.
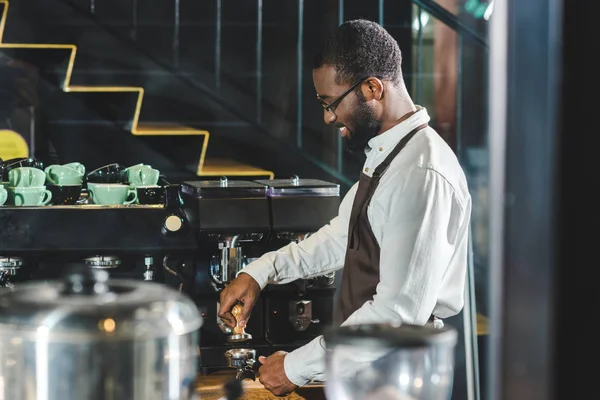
column 215, row 65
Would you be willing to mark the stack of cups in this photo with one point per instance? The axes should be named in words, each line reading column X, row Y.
column 144, row 179
column 26, row 187
column 65, row 181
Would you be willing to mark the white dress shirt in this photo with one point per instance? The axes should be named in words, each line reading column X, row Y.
column 419, row 214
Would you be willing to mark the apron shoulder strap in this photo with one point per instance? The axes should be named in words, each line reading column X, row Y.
column 381, row 168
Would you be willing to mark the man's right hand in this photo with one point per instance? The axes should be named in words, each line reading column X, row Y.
column 243, row 289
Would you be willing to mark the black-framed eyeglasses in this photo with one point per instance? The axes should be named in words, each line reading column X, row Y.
column 330, row 107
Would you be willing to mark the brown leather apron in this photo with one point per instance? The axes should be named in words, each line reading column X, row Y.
column 360, row 276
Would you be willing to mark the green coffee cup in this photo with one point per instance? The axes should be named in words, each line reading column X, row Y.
column 125, row 172
column 26, row 177
column 142, row 175
column 111, row 193
column 63, row 175
column 79, row 167
column 3, row 195
column 30, row 196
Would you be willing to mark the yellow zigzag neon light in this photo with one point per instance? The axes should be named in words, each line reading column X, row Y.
column 224, row 167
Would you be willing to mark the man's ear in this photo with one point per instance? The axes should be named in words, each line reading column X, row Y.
column 372, row 89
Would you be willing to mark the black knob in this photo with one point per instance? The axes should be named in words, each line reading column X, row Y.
column 300, row 309
column 82, row 280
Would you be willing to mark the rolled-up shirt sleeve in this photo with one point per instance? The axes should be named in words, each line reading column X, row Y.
column 320, row 253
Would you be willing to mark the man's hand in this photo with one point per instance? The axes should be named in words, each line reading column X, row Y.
column 242, row 289
column 272, row 374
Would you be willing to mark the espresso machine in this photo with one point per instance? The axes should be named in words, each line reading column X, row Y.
column 196, row 239
column 237, row 221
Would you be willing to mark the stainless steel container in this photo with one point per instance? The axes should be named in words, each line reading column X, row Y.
column 87, row 337
column 383, row 362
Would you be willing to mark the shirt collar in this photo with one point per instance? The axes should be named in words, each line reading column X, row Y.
column 392, row 136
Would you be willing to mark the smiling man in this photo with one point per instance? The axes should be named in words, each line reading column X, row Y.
column 401, row 235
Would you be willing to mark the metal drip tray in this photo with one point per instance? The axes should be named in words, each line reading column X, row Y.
column 10, row 265
column 103, row 262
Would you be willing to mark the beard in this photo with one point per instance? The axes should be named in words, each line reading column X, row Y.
column 365, row 126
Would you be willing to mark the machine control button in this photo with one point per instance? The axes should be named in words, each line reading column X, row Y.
column 173, row 223
column 301, row 315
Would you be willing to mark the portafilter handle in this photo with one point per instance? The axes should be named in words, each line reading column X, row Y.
column 250, row 372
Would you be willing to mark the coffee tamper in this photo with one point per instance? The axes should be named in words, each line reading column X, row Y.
column 239, row 333
column 243, row 360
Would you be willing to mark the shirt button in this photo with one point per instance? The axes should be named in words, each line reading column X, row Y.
column 380, row 148
column 367, row 169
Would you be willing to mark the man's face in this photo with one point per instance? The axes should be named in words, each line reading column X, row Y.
column 353, row 115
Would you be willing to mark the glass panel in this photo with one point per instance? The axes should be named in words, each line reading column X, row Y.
column 449, row 78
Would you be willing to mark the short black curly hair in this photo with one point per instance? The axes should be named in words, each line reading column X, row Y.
column 361, row 48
